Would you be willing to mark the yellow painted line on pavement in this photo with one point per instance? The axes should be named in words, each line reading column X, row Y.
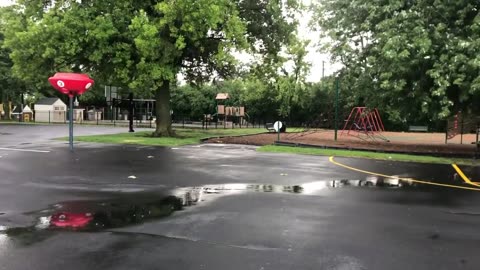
column 331, row 159
column 464, row 177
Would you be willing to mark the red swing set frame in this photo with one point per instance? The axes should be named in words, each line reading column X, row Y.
column 363, row 120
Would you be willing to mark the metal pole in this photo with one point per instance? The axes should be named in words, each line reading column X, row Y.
column 323, row 69
column 130, row 113
column 461, row 131
column 446, row 133
column 70, row 138
column 336, row 107
column 148, row 111
column 476, row 141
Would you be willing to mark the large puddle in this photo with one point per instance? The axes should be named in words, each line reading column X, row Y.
column 138, row 208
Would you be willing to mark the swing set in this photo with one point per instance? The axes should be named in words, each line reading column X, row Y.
column 364, row 123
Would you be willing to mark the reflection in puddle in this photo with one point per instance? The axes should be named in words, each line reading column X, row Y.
column 100, row 215
column 3, row 242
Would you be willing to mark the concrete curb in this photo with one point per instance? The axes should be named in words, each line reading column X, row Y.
column 449, row 155
column 233, row 136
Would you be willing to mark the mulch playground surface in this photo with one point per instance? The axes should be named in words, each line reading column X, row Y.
column 396, row 142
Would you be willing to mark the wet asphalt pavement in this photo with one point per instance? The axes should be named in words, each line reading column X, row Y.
column 224, row 207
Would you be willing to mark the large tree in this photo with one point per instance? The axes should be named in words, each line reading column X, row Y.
column 291, row 82
column 418, row 59
column 11, row 88
column 144, row 44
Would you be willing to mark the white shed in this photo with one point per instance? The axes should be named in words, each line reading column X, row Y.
column 51, row 110
column 27, row 114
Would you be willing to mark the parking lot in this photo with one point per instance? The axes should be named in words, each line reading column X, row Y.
column 225, row 207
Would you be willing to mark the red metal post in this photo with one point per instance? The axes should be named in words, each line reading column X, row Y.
column 380, row 119
column 346, row 123
column 373, row 115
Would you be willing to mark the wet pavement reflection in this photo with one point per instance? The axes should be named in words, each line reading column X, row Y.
column 91, row 216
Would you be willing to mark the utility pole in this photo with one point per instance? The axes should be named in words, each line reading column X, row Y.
column 323, row 69
column 70, row 121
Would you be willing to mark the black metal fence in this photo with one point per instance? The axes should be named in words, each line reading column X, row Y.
column 459, row 125
column 140, row 121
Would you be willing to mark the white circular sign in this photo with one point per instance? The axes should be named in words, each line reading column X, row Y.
column 88, row 86
column 277, row 126
column 60, row 84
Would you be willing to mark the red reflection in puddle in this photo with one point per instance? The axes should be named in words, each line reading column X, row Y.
column 72, row 220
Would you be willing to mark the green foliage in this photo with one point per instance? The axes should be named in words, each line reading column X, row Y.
column 193, row 102
column 417, row 60
column 271, row 90
column 94, row 97
column 313, row 103
column 143, row 45
column 11, row 88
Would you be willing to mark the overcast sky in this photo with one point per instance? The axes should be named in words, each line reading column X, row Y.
column 5, row 2
column 314, row 57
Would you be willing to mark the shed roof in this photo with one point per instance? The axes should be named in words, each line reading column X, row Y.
column 222, row 96
column 27, row 109
column 47, row 101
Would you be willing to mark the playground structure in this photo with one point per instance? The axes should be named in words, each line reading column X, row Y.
column 227, row 116
column 364, row 123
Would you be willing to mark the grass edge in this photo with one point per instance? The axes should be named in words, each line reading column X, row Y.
column 360, row 154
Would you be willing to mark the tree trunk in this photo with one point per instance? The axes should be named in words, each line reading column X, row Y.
column 164, row 118
column 2, row 105
column 6, row 107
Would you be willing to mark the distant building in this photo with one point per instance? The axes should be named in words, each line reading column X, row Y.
column 27, row 114
column 51, row 110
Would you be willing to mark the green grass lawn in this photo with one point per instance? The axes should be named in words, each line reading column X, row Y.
column 184, row 136
column 365, row 154
column 194, row 136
